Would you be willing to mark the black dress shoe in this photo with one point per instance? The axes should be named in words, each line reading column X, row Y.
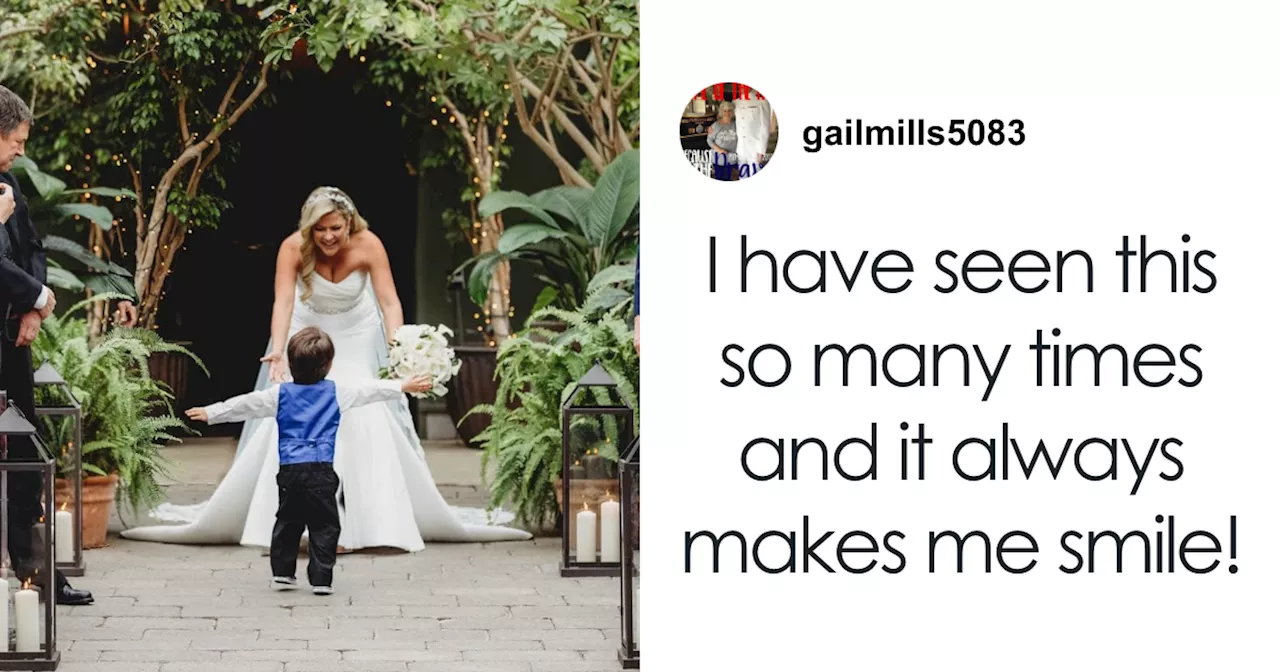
column 75, row 598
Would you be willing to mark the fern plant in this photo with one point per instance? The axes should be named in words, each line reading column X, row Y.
column 537, row 370
column 128, row 416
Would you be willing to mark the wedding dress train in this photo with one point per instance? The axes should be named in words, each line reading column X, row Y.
column 387, row 497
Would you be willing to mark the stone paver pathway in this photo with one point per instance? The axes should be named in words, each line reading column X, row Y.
column 451, row 608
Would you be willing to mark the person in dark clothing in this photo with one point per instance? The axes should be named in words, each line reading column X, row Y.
column 307, row 413
column 25, row 301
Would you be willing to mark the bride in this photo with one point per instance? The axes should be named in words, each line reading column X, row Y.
column 333, row 273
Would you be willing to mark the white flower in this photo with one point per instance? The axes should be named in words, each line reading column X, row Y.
column 423, row 350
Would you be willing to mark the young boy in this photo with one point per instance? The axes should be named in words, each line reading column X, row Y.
column 307, row 413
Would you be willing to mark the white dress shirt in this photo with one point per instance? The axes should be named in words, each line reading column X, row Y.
column 263, row 403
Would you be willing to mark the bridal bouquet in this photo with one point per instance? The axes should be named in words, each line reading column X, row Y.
column 421, row 349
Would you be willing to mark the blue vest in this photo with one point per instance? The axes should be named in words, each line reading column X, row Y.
column 308, row 417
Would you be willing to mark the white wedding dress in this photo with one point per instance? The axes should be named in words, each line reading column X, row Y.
column 387, row 497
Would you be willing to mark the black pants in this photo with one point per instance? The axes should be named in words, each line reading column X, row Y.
column 16, row 379
column 308, row 500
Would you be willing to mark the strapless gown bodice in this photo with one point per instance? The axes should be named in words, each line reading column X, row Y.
column 332, row 298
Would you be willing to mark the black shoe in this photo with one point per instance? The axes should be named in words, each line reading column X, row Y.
column 76, row 598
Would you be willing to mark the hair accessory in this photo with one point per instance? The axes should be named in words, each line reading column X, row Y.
column 334, row 195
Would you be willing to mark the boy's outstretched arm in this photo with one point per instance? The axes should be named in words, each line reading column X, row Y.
column 351, row 396
column 260, row 404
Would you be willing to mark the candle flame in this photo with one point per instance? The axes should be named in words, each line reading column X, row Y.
column 26, row 585
column 63, row 507
column 585, row 507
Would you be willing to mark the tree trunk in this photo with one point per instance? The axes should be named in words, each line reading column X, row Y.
column 163, row 235
column 482, row 143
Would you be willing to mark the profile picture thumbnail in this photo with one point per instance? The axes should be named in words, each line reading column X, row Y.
column 728, row 131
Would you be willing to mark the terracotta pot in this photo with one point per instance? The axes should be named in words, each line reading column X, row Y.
column 99, row 493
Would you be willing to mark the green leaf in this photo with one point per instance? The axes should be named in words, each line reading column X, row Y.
column 478, row 282
column 95, row 213
column 517, row 237
column 615, row 198
column 499, row 201
column 545, row 298
column 103, row 283
column 78, row 252
column 613, row 275
column 46, row 184
column 61, row 278
column 571, row 202
column 606, row 298
column 109, row 192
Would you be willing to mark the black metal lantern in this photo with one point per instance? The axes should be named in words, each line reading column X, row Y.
column 629, row 466
column 33, row 645
column 69, row 519
column 591, row 518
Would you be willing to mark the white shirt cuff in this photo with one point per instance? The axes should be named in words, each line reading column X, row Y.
column 44, row 298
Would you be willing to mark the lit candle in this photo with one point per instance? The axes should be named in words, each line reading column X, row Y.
column 26, row 616
column 610, row 534
column 586, row 550
column 64, row 543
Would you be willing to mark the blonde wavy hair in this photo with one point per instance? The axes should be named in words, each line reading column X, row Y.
column 321, row 202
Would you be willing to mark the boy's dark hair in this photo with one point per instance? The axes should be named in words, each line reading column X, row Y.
column 310, row 356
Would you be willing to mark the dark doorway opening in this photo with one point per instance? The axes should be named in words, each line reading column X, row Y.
column 317, row 133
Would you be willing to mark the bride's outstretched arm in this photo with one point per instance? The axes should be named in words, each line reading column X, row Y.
column 384, row 286
column 282, row 310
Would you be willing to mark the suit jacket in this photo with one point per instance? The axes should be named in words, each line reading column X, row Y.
column 23, row 267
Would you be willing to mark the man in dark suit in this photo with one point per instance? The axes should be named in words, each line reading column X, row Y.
column 25, row 301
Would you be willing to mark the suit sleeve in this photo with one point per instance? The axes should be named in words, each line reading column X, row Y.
column 254, row 405
column 17, row 287
column 39, row 260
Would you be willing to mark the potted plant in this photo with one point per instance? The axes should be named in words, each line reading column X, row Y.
column 128, row 416
column 537, row 368
column 583, row 240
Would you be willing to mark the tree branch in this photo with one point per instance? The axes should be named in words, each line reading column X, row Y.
column 546, row 144
column 182, row 119
column 231, row 88
column 460, row 120
column 138, row 205
column 567, row 124
column 147, row 250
